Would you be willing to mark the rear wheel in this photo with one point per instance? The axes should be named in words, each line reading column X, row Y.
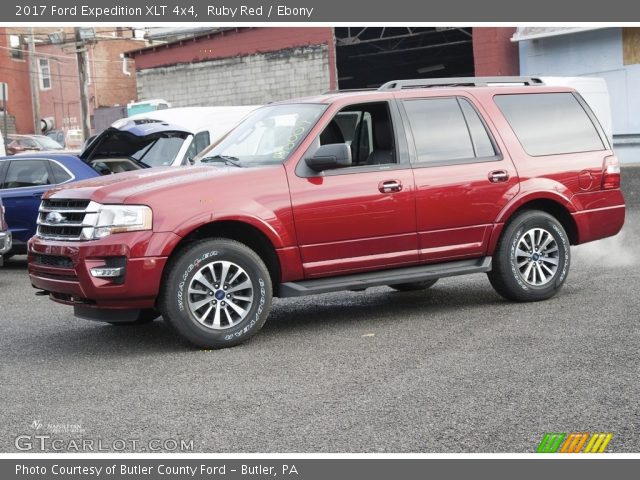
column 414, row 286
column 217, row 293
column 532, row 258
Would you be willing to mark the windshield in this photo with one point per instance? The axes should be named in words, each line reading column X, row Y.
column 162, row 151
column 48, row 143
column 268, row 135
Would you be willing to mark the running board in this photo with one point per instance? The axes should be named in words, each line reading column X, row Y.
column 361, row 281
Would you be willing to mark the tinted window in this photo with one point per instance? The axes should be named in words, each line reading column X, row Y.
column 439, row 130
column 367, row 129
column 27, row 173
column 60, row 174
column 481, row 142
column 550, row 123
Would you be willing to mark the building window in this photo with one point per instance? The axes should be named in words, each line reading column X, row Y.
column 45, row 73
column 16, row 46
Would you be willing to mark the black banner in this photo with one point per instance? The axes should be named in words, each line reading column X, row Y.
column 302, row 11
column 316, row 469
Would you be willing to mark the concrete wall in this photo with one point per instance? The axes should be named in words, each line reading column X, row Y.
column 241, row 80
column 594, row 53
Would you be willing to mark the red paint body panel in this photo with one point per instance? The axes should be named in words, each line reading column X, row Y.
column 336, row 223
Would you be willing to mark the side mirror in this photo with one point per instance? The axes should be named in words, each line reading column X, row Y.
column 328, row 157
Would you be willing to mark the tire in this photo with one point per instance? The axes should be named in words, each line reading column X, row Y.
column 227, row 314
column 145, row 316
column 414, row 286
column 540, row 273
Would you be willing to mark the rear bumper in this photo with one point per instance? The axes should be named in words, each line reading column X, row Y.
column 600, row 214
column 63, row 269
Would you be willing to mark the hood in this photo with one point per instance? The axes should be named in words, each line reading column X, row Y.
column 129, row 138
column 139, row 185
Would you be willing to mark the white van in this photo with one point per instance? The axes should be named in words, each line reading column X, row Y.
column 206, row 125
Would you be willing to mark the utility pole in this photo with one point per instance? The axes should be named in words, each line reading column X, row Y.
column 35, row 83
column 81, row 52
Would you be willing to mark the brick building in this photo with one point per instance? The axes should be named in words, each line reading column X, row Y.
column 110, row 83
column 14, row 72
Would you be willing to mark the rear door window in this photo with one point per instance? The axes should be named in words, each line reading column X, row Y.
column 550, row 123
column 27, row 173
column 448, row 131
column 61, row 175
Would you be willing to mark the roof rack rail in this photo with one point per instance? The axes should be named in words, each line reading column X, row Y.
column 337, row 90
column 460, row 82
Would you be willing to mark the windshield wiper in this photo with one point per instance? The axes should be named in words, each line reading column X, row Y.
column 226, row 159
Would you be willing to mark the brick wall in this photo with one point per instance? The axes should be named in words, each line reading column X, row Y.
column 241, row 80
column 112, row 87
column 493, row 51
column 15, row 72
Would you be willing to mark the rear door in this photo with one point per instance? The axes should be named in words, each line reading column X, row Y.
column 360, row 217
column 464, row 177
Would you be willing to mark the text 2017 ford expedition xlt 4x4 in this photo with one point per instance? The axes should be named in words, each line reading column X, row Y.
column 419, row 180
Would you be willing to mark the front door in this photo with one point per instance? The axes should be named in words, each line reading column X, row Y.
column 360, row 217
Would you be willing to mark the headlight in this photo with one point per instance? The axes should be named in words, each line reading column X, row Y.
column 122, row 218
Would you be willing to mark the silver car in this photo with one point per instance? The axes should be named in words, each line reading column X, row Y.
column 5, row 235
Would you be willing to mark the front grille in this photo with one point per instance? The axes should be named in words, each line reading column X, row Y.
column 61, row 232
column 53, row 261
column 63, row 204
column 62, row 219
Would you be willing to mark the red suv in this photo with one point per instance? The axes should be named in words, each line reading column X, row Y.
column 419, row 180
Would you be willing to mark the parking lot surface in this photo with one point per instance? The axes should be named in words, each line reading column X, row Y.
column 453, row 369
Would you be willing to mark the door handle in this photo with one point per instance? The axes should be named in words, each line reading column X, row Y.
column 498, row 176
column 390, row 186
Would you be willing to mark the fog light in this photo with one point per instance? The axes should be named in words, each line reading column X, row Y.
column 107, row 272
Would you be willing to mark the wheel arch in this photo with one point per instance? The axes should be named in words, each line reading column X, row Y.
column 558, row 207
column 242, row 232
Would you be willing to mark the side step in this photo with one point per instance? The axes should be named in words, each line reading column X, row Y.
column 384, row 277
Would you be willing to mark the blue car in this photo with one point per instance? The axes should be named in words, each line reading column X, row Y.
column 125, row 146
column 24, row 179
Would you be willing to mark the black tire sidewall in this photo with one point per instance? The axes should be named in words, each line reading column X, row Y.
column 182, row 272
column 514, row 233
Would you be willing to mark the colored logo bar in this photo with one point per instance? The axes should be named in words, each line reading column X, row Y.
column 574, row 442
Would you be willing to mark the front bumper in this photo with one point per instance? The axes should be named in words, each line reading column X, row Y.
column 63, row 269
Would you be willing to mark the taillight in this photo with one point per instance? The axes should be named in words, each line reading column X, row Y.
column 610, row 173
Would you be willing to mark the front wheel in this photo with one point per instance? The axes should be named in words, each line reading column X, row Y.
column 217, row 293
column 532, row 258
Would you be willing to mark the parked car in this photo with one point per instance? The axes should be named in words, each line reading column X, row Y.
column 205, row 125
column 5, row 235
column 24, row 178
column 31, row 143
column 23, row 181
column 57, row 136
column 420, row 180
column 73, row 139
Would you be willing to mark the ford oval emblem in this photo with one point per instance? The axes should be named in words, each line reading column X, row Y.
column 54, row 217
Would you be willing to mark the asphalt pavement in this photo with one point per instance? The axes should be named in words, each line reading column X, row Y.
column 453, row 369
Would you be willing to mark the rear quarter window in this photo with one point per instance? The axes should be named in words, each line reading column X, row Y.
column 550, row 123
